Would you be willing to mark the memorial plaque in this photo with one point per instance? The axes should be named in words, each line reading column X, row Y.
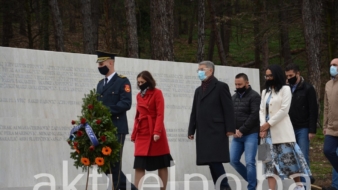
column 42, row 91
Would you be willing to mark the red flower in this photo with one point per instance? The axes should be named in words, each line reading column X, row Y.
column 83, row 120
column 73, row 122
column 92, row 148
column 98, row 122
column 90, row 106
column 76, row 143
column 79, row 133
column 103, row 138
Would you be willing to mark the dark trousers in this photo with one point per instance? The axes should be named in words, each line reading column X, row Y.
column 216, row 170
column 330, row 150
column 119, row 179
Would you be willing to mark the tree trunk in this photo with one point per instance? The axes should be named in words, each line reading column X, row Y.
column 284, row 33
column 132, row 28
column 71, row 13
column 211, row 46
column 160, row 42
column 171, row 28
column 95, row 19
column 201, row 32
column 57, row 22
column 29, row 24
column 88, row 44
column 311, row 10
column 7, row 30
column 192, row 21
column 256, row 35
column 227, row 28
column 331, row 28
column 45, row 25
column 264, row 39
column 216, row 32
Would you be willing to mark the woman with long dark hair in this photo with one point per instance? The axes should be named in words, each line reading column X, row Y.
column 149, row 134
column 276, row 128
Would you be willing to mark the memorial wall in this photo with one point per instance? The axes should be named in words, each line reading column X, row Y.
column 42, row 91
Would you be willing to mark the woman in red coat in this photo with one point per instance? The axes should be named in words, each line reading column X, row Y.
column 149, row 135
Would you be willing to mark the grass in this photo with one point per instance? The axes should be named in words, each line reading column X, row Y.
column 320, row 167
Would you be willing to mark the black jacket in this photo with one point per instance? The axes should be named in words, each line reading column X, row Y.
column 247, row 111
column 304, row 108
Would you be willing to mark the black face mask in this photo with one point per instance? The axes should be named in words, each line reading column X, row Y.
column 103, row 70
column 241, row 90
column 292, row 80
column 144, row 86
column 269, row 83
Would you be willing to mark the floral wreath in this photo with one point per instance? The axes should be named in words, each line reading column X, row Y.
column 93, row 137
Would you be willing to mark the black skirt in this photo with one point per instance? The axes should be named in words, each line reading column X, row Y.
column 151, row 163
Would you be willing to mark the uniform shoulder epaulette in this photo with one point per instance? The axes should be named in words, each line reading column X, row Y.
column 122, row 76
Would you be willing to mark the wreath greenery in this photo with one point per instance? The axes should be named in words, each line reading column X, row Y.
column 85, row 153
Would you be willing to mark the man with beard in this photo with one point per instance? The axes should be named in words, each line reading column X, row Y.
column 303, row 111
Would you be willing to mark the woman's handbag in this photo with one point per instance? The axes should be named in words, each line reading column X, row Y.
column 264, row 152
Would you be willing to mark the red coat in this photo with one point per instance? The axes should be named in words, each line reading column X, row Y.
column 149, row 121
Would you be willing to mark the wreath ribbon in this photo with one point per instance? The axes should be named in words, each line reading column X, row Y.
column 89, row 131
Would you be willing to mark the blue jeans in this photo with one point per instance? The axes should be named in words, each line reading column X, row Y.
column 247, row 144
column 216, row 170
column 330, row 150
column 119, row 179
column 302, row 139
column 335, row 178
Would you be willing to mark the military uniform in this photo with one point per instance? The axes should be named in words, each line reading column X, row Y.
column 116, row 95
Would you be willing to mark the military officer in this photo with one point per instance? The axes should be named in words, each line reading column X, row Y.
column 115, row 93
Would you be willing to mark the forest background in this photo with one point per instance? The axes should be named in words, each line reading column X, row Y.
column 241, row 33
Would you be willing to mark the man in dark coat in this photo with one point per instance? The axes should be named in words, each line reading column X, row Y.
column 115, row 93
column 212, row 117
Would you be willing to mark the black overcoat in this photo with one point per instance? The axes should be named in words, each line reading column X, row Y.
column 212, row 116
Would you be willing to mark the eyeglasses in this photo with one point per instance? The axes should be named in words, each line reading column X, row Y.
column 268, row 76
column 202, row 69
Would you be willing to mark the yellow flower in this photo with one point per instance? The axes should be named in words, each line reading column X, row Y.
column 106, row 150
column 99, row 161
column 85, row 161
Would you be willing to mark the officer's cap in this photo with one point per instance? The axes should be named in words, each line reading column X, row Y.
column 103, row 56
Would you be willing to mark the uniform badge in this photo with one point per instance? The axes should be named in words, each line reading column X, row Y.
column 127, row 88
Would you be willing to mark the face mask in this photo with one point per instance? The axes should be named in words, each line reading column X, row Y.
column 144, row 86
column 104, row 70
column 292, row 80
column 333, row 71
column 269, row 83
column 241, row 90
column 201, row 75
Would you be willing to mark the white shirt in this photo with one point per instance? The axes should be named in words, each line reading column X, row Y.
column 110, row 77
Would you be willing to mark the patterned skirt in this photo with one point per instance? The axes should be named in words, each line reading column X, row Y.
column 287, row 159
